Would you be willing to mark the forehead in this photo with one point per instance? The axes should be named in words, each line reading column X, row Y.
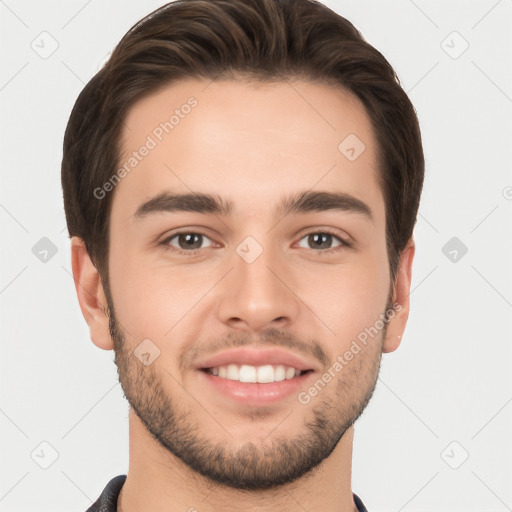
column 246, row 142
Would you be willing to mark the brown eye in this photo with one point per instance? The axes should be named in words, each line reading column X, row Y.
column 323, row 241
column 185, row 241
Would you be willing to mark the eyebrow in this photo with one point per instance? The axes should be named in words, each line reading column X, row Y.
column 302, row 202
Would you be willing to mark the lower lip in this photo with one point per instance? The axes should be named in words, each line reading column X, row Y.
column 255, row 393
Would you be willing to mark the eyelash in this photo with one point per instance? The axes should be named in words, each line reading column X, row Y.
column 344, row 243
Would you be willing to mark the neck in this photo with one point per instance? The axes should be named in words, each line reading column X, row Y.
column 158, row 481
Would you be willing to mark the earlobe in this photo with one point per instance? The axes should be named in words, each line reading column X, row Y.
column 90, row 294
column 398, row 320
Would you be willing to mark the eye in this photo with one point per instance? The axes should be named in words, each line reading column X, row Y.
column 187, row 242
column 190, row 242
column 321, row 241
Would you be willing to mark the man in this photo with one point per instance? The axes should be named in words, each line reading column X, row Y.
column 241, row 182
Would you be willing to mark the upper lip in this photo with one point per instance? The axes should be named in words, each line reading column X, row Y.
column 255, row 357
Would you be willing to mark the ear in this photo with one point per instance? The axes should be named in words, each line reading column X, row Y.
column 90, row 294
column 402, row 287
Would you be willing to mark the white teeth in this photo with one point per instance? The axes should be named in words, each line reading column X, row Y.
column 265, row 373
column 290, row 373
column 232, row 373
column 279, row 373
column 247, row 374
column 261, row 374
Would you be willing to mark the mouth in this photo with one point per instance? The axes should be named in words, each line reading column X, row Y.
column 254, row 386
column 264, row 374
column 251, row 376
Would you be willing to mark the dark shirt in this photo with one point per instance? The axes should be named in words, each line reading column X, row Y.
column 107, row 502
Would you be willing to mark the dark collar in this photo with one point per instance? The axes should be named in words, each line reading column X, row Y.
column 107, row 502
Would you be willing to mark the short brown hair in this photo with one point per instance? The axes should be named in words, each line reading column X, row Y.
column 259, row 40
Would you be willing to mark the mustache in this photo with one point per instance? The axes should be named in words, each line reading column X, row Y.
column 270, row 337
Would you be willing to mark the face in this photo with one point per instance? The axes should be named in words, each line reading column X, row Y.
column 251, row 270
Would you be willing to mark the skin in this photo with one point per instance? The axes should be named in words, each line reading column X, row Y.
column 251, row 144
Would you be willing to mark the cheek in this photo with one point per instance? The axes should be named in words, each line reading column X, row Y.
column 350, row 300
column 155, row 301
column 135, row 294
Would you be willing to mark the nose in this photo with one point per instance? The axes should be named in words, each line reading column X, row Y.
column 257, row 295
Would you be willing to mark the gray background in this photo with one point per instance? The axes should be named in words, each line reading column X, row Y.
column 436, row 435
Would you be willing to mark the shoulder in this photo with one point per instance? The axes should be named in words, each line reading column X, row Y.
column 359, row 503
column 107, row 502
